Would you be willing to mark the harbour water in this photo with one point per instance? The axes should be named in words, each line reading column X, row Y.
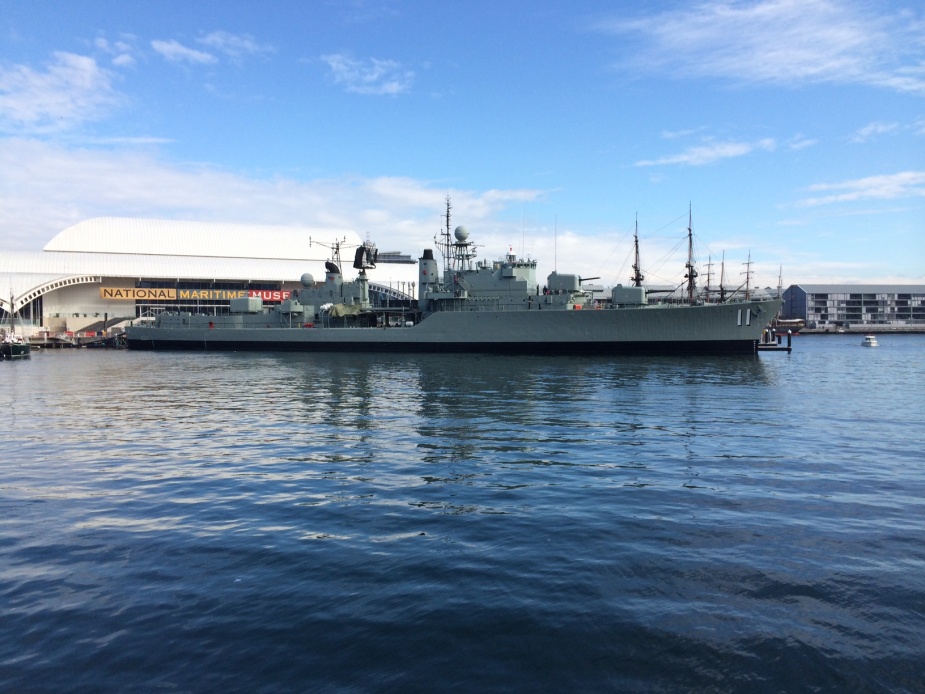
column 203, row 522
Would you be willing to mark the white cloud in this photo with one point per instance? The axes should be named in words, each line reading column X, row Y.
column 674, row 134
column 781, row 42
column 73, row 90
column 49, row 187
column 176, row 52
column 233, row 45
column 52, row 187
column 122, row 50
column 907, row 184
column 872, row 130
column 711, row 152
column 799, row 142
column 371, row 77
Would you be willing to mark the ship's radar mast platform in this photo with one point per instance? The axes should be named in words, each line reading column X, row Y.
column 457, row 254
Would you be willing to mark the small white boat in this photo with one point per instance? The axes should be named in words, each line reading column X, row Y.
column 869, row 341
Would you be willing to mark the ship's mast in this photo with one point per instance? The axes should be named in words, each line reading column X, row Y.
column 780, row 282
column 637, row 276
column 706, row 288
column 722, row 279
column 444, row 242
column 458, row 253
column 691, row 275
column 748, row 274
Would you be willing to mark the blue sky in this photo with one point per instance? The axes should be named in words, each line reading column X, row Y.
column 794, row 130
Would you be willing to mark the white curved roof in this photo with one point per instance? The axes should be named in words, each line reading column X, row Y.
column 120, row 247
column 209, row 239
column 24, row 272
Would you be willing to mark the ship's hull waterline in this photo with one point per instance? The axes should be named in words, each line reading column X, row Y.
column 471, row 306
column 660, row 329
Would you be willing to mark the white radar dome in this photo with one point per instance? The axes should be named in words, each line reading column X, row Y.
column 308, row 280
column 461, row 233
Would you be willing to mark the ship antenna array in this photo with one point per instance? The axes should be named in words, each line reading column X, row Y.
column 637, row 276
column 333, row 247
column 443, row 238
column 458, row 254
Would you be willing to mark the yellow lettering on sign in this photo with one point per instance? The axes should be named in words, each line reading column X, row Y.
column 132, row 294
column 211, row 293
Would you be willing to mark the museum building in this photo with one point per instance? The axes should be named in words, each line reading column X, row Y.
column 105, row 271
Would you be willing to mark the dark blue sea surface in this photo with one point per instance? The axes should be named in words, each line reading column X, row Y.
column 210, row 522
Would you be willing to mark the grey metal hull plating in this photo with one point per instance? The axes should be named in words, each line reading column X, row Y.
column 707, row 329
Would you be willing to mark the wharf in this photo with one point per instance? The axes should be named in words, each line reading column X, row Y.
column 772, row 343
column 63, row 341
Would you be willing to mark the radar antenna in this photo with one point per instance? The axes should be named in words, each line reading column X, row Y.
column 458, row 253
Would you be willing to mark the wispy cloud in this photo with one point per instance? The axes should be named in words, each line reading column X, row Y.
column 872, row 130
column 122, row 51
column 59, row 186
column 373, row 76
column 781, row 42
column 235, row 46
column 72, row 90
column 710, row 152
column 799, row 142
column 907, row 184
column 675, row 134
column 176, row 52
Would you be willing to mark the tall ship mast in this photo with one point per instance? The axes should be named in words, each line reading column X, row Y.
column 748, row 275
column 691, row 274
column 637, row 276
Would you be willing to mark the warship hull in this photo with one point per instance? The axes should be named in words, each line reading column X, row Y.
column 655, row 329
column 494, row 307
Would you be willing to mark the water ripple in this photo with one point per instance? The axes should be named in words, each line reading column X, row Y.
column 242, row 522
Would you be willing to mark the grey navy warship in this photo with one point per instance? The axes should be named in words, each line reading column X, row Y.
column 467, row 306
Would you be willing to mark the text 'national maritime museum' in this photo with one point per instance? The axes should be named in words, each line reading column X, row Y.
column 102, row 272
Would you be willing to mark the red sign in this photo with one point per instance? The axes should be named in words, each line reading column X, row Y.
column 268, row 294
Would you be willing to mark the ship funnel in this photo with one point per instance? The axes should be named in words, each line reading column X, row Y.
column 428, row 277
column 333, row 280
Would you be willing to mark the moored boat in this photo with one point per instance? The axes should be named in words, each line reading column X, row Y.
column 782, row 326
column 484, row 306
column 14, row 346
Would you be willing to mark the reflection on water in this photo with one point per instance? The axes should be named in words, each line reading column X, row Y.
column 367, row 522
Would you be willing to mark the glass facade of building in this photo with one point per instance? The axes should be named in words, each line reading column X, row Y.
column 823, row 306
